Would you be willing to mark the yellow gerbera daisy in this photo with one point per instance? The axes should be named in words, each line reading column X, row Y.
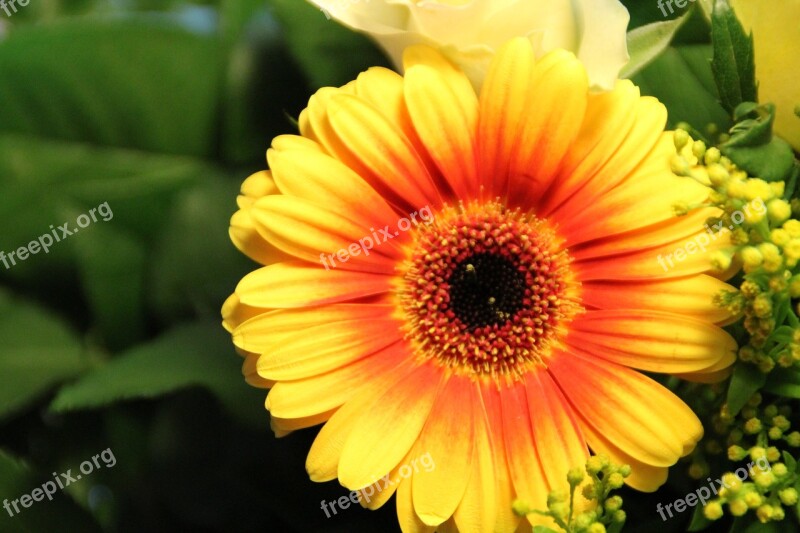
column 475, row 278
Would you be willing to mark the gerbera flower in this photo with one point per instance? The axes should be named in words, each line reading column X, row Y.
column 502, row 334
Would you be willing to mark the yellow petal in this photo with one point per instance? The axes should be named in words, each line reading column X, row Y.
column 389, row 428
column 409, row 521
column 644, row 477
column 234, row 312
column 552, row 420
column 631, row 127
column 448, row 438
column 325, row 181
column 298, row 284
column 503, row 107
column 505, row 494
column 527, row 476
column 259, row 333
column 692, row 296
column 652, row 340
column 284, row 426
column 636, row 414
column 477, row 511
column 445, row 116
column 393, row 166
column 326, row 347
column 308, row 397
column 559, row 81
column 309, row 232
column 322, row 463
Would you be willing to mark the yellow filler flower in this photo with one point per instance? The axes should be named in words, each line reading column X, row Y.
column 477, row 278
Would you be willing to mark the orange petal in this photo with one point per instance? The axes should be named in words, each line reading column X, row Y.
column 678, row 259
column 559, row 82
column 636, row 414
column 692, row 296
column 552, row 421
column 527, row 475
column 618, row 131
column 503, row 107
column 444, row 109
column 665, row 232
column 646, row 199
column 652, row 340
column 392, row 165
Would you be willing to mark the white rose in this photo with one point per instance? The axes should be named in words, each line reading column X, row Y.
column 776, row 27
column 469, row 32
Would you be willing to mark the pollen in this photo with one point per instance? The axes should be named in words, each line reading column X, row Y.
column 487, row 291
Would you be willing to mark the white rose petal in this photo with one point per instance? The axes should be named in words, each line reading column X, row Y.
column 470, row 31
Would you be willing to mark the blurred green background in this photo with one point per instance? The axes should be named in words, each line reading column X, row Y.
column 113, row 338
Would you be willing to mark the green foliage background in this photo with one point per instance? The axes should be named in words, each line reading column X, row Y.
column 112, row 340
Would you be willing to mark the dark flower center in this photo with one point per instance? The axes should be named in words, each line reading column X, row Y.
column 486, row 289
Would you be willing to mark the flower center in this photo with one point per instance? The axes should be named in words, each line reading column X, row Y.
column 486, row 291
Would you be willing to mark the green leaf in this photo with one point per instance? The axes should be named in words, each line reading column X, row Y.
column 749, row 524
column 15, row 476
column 699, row 521
column 198, row 354
column 790, row 462
column 112, row 272
column 120, row 81
column 784, row 382
column 329, row 54
column 747, row 379
column 753, row 147
column 37, row 351
column 681, row 79
column 615, row 527
column 646, row 43
column 68, row 179
column 60, row 514
column 734, row 59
